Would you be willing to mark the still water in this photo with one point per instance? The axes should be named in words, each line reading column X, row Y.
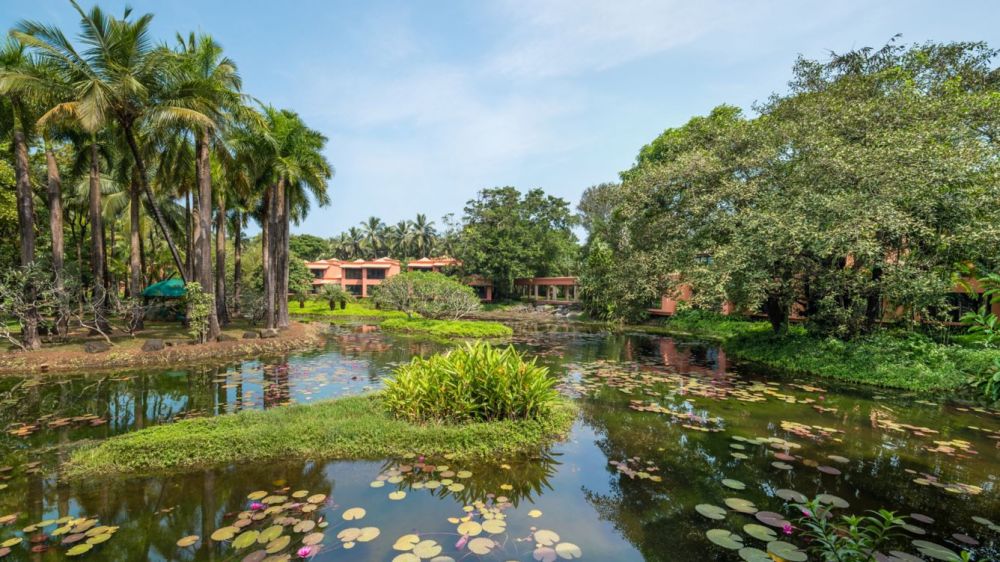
column 664, row 426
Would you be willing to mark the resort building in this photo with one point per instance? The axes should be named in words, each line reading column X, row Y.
column 357, row 277
column 549, row 290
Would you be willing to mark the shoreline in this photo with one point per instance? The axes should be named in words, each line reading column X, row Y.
column 298, row 336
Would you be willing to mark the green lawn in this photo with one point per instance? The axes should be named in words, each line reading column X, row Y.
column 448, row 328
column 347, row 428
column 353, row 310
column 896, row 359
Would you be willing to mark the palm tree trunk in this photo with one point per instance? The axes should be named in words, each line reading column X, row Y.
column 135, row 250
column 56, row 229
column 283, row 219
column 189, row 232
column 237, row 261
column 220, row 262
column 203, row 238
column 267, row 255
column 96, row 236
column 26, row 226
column 157, row 214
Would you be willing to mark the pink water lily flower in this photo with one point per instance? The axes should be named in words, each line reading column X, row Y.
column 256, row 506
column 807, row 513
column 305, row 552
column 787, row 528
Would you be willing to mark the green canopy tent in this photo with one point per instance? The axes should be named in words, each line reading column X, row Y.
column 168, row 289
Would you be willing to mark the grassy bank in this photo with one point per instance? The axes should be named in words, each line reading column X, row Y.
column 353, row 310
column 902, row 360
column 347, row 428
column 448, row 328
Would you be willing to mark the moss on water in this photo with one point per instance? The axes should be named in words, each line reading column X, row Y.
column 356, row 427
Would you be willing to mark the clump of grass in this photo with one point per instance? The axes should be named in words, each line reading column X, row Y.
column 358, row 427
column 448, row 328
column 478, row 382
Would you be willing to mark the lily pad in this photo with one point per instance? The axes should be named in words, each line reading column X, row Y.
column 791, row 495
column 725, row 538
column 937, row 551
column 786, row 551
column 546, row 537
column 568, row 551
column 711, row 511
column 481, row 546
column 188, row 541
column 246, row 539
column 353, row 513
column 749, row 554
column 741, row 505
column 760, row 532
column 734, row 484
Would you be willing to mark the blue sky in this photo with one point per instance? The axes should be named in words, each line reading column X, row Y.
column 426, row 102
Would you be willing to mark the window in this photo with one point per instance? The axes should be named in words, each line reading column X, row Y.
column 376, row 274
column 354, row 290
column 352, row 274
column 318, row 273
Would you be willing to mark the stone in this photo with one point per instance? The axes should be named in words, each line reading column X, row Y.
column 153, row 344
column 249, row 335
column 96, row 346
column 268, row 333
column 224, row 337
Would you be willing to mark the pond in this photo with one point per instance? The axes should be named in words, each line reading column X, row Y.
column 671, row 442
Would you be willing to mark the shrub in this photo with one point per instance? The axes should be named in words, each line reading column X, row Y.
column 334, row 294
column 478, row 382
column 431, row 295
column 848, row 538
column 199, row 305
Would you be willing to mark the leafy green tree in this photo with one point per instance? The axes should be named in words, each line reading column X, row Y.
column 506, row 235
column 431, row 295
column 307, row 246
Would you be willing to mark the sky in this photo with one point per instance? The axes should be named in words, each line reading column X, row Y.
column 427, row 102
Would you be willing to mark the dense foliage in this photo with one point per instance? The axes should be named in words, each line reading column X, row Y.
column 448, row 328
column 428, row 294
column 851, row 197
column 477, row 382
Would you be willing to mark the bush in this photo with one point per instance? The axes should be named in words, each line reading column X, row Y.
column 448, row 328
column 431, row 295
column 199, row 306
column 478, row 382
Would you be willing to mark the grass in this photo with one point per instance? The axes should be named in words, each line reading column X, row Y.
column 448, row 328
column 353, row 310
column 357, row 427
column 895, row 359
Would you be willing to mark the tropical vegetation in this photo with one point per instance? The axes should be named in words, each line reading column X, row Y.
column 448, row 328
column 428, row 294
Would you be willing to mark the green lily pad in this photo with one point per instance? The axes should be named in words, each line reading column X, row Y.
column 711, row 511
column 734, row 484
column 246, row 539
column 750, row 554
column 937, row 551
column 791, row 495
column 741, row 505
column 833, row 500
column 725, row 538
column 786, row 551
column 760, row 532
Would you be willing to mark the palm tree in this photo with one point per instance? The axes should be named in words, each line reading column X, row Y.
column 18, row 120
column 373, row 231
column 399, row 239
column 119, row 77
column 423, row 234
column 355, row 243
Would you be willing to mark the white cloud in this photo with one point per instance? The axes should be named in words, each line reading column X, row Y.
column 565, row 37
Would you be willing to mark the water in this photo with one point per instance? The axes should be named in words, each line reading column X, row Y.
column 624, row 486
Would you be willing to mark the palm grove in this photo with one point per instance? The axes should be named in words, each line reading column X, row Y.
column 133, row 152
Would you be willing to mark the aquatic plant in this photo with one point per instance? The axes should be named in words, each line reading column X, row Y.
column 478, row 382
column 848, row 538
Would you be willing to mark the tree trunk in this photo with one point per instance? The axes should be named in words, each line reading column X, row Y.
column 267, row 253
column 237, row 261
column 135, row 250
column 282, row 270
column 189, row 232
column 26, row 230
column 220, row 262
column 56, row 230
column 97, row 237
column 151, row 201
column 203, row 238
column 777, row 314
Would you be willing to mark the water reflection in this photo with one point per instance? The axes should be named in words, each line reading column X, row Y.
column 657, row 406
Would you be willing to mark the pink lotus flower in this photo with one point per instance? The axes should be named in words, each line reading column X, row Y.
column 305, row 552
column 256, row 506
column 787, row 528
column 461, row 542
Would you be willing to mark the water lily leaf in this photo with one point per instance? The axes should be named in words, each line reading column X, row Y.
column 98, row 539
column 353, row 513
column 832, row 500
column 255, row 496
column 734, row 484
column 427, row 549
column 406, row 557
column 246, row 539
column 224, row 534
column 369, row 534
column 188, row 541
column 278, row 544
column 546, row 537
column 270, row 533
column 494, row 526
column 481, row 545
column 406, row 542
column 312, row 539
column 316, row 498
column 470, row 528
column 304, row 526
column 791, row 495
column 760, row 532
column 725, row 538
column 750, row 554
column 568, row 550
column 397, row 495
column 711, row 511
column 544, row 554
column 937, row 551
column 786, row 551
column 535, row 513
column 741, row 505
column 79, row 549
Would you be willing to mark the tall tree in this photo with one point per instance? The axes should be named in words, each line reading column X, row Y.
column 423, row 235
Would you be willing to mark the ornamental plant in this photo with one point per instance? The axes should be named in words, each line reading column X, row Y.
column 848, row 538
column 478, row 382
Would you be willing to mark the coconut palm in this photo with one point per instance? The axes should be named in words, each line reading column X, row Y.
column 373, row 231
column 399, row 238
column 118, row 78
column 423, row 235
column 355, row 243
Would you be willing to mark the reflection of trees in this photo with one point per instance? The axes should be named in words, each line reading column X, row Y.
column 528, row 477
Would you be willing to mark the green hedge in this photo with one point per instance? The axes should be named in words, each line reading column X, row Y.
column 448, row 328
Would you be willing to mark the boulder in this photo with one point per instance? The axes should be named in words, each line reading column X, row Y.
column 154, row 344
column 224, row 337
column 96, row 346
column 268, row 333
column 249, row 335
